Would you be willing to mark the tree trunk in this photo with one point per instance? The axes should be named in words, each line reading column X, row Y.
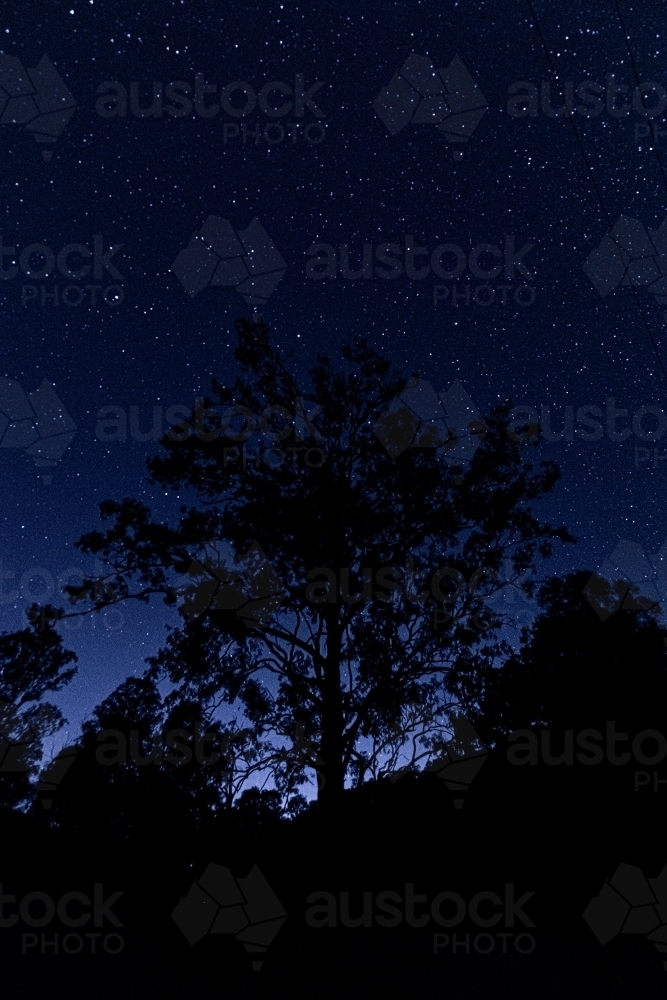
column 331, row 773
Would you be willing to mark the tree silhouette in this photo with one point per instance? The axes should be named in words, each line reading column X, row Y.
column 572, row 670
column 32, row 663
column 323, row 635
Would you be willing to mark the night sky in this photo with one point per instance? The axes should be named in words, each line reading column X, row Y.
column 325, row 171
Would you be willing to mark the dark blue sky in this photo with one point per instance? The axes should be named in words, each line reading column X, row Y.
column 328, row 171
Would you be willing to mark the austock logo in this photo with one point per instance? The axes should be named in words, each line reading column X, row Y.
column 53, row 774
column 629, row 903
column 217, row 903
column 37, row 422
column 420, row 94
column 629, row 580
column 633, row 256
column 237, row 100
column 527, row 749
column 40, row 909
column 400, row 586
column 251, row 589
column 36, row 98
column 448, row 262
column 237, row 424
column 217, row 255
column 460, row 761
column 421, row 418
column 19, row 747
column 114, row 746
column 39, row 261
column 16, row 741
column 249, row 261
column 446, row 909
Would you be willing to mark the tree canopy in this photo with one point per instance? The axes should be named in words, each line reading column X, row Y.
column 366, row 574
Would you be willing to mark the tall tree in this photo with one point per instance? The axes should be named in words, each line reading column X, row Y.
column 323, row 634
column 573, row 669
column 33, row 663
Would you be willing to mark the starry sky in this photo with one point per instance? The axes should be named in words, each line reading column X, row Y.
column 326, row 171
